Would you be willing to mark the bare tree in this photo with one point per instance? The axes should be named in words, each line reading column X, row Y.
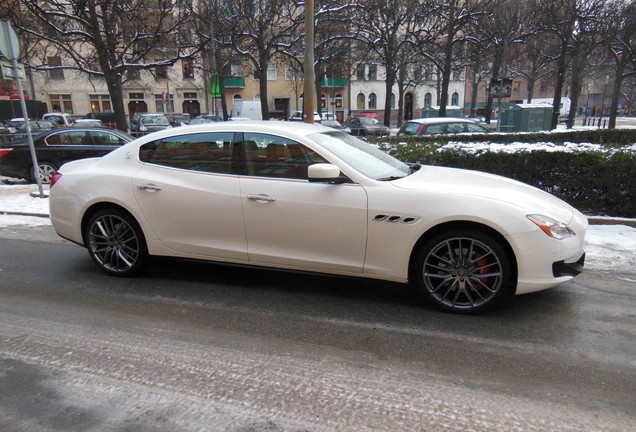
column 105, row 39
column 387, row 30
column 261, row 31
column 622, row 49
column 449, row 24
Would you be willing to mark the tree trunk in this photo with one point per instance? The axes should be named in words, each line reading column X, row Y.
column 616, row 92
column 262, row 87
column 558, row 89
column 575, row 88
column 115, row 91
column 495, row 77
column 390, row 80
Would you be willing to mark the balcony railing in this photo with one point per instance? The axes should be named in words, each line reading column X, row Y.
column 234, row 82
column 333, row 82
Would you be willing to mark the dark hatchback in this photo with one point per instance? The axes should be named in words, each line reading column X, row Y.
column 56, row 147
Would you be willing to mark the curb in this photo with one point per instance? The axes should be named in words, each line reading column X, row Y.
column 12, row 213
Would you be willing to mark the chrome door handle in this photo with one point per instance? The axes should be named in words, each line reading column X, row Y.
column 260, row 197
column 149, row 187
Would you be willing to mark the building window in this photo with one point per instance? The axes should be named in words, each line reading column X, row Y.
column 188, row 69
column 428, row 100
column 323, row 101
column 161, row 72
column 373, row 72
column 100, row 103
column 61, row 103
column 455, row 99
column 392, row 100
column 189, row 95
column 360, row 73
column 235, row 68
column 136, row 96
column 257, row 97
column 339, row 101
column 55, row 73
column 133, row 74
column 290, row 74
column 164, row 102
column 457, row 75
column 360, row 101
column 271, row 72
column 373, row 101
column 428, row 73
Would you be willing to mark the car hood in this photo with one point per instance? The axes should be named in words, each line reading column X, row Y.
column 475, row 183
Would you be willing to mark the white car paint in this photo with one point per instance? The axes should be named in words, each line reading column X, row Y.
column 364, row 227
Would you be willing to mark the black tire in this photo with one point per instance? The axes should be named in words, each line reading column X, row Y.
column 463, row 271
column 46, row 171
column 116, row 243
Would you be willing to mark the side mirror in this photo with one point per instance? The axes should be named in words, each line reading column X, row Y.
column 325, row 173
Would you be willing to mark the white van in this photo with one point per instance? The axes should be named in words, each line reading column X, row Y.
column 61, row 119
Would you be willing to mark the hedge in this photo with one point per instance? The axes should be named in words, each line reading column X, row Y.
column 601, row 181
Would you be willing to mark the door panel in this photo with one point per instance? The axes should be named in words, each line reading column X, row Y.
column 311, row 225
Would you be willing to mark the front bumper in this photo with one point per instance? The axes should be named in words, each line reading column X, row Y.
column 561, row 268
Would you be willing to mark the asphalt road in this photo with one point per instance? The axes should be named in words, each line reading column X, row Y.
column 204, row 347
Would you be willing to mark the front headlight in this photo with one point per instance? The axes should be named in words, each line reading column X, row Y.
column 552, row 227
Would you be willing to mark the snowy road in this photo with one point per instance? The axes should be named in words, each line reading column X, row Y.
column 194, row 347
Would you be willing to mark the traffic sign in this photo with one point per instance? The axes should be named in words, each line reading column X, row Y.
column 9, row 42
column 9, row 72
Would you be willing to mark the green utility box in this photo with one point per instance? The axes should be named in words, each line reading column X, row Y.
column 526, row 118
column 433, row 111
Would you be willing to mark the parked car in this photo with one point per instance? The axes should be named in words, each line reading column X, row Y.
column 440, row 126
column 60, row 119
column 146, row 123
column 57, row 147
column 207, row 118
column 107, row 118
column 299, row 115
column 88, row 123
column 14, row 124
column 36, row 127
column 177, row 120
column 366, row 126
column 306, row 197
column 335, row 124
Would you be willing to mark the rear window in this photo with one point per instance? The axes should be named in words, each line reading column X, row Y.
column 410, row 129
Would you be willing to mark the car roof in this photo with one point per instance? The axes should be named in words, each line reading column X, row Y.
column 437, row 120
column 274, row 127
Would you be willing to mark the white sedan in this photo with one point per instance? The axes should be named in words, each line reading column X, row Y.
column 306, row 197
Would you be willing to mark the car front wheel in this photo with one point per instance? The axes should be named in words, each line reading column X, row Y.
column 463, row 271
column 116, row 243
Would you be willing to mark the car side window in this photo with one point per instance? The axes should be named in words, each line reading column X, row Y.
column 435, row 129
column 278, row 157
column 453, row 128
column 106, row 138
column 206, row 152
column 68, row 138
column 475, row 128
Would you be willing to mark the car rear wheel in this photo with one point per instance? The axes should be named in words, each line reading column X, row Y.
column 116, row 243
column 45, row 171
column 463, row 271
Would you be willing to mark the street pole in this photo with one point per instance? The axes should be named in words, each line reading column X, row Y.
column 213, row 64
column 309, row 98
column 11, row 49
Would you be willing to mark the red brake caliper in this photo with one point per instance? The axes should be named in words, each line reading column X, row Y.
column 482, row 263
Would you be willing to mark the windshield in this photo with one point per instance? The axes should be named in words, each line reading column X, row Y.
column 364, row 157
column 368, row 121
column 155, row 120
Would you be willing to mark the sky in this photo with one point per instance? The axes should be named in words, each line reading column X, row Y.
column 608, row 247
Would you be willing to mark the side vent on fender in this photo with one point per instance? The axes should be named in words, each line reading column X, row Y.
column 402, row 219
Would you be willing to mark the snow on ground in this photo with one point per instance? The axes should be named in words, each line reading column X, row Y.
column 608, row 247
